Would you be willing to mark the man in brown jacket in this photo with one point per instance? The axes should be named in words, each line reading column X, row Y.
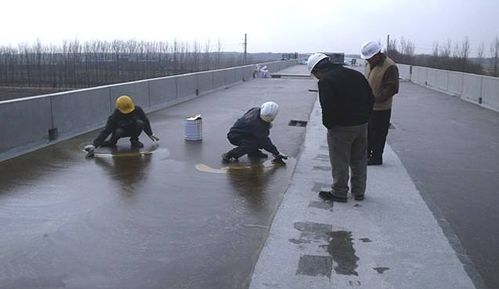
column 383, row 77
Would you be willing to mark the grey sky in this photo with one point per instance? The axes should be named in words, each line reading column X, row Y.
column 275, row 26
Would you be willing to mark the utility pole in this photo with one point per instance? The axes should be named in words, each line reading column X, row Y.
column 245, row 48
column 387, row 43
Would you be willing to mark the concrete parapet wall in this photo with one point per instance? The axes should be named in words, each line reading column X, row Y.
column 80, row 110
column 419, row 75
column 472, row 87
column 34, row 122
column 478, row 89
column 455, row 83
column 24, row 122
column 490, row 92
column 404, row 71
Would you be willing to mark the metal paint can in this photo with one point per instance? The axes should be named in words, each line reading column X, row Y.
column 193, row 128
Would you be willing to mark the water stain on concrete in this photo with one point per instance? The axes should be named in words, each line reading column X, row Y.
column 320, row 186
column 321, row 168
column 311, row 265
column 299, row 241
column 338, row 244
column 322, row 157
column 357, row 205
column 321, row 205
column 340, row 247
column 316, row 228
column 381, row 270
column 223, row 170
column 365, row 240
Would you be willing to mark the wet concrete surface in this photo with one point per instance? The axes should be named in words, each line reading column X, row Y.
column 154, row 220
column 451, row 150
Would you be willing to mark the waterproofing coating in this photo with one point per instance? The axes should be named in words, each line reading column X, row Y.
column 149, row 221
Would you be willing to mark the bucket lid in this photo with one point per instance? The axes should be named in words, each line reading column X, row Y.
column 195, row 117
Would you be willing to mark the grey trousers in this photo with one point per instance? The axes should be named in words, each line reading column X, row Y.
column 348, row 150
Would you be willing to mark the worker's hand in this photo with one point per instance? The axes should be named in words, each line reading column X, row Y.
column 90, row 150
column 154, row 138
column 281, row 156
column 279, row 159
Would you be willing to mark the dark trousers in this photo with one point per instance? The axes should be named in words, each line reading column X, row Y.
column 347, row 151
column 133, row 131
column 377, row 132
column 243, row 146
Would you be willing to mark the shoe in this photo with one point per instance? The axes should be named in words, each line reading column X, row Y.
column 226, row 158
column 136, row 144
column 108, row 144
column 258, row 154
column 359, row 197
column 328, row 196
column 374, row 162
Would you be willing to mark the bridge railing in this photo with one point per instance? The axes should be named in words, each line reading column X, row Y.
column 34, row 122
column 478, row 89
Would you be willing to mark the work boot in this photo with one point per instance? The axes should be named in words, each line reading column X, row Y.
column 329, row 196
column 136, row 144
column 257, row 154
column 374, row 161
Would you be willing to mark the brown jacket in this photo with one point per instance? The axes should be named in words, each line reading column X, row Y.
column 384, row 81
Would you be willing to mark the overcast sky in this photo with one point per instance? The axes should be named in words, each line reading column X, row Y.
column 272, row 26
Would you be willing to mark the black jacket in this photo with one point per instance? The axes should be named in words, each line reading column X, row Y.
column 251, row 126
column 345, row 97
column 121, row 120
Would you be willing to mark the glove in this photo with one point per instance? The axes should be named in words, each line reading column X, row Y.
column 278, row 159
column 154, row 138
column 90, row 150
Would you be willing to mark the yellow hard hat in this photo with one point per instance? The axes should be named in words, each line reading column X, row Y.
column 125, row 104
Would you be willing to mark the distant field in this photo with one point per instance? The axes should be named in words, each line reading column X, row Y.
column 18, row 92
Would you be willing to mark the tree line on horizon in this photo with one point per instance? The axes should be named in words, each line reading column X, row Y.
column 449, row 56
column 75, row 64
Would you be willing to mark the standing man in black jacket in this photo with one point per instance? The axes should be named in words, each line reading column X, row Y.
column 128, row 120
column 346, row 100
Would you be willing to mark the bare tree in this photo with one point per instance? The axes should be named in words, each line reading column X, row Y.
column 480, row 50
column 494, row 52
column 436, row 49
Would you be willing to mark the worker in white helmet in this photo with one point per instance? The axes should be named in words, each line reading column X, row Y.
column 346, row 100
column 251, row 132
column 128, row 120
column 382, row 74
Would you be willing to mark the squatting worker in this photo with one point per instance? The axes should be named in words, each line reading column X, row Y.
column 346, row 100
column 251, row 132
column 127, row 120
column 383, row 76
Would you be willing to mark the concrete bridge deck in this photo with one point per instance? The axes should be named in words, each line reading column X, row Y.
column 156, row 221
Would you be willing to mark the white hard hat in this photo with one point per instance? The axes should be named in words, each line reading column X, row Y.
column 369, row 49
column 268, row 111
column 314, row 59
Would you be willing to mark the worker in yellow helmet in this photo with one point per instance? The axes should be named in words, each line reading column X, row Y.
column 128, row 120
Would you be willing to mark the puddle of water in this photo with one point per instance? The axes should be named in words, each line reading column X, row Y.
column 126, row 151
column 223, row 170
column 340, row 247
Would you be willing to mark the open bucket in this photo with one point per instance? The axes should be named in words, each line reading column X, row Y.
column 193, row 128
